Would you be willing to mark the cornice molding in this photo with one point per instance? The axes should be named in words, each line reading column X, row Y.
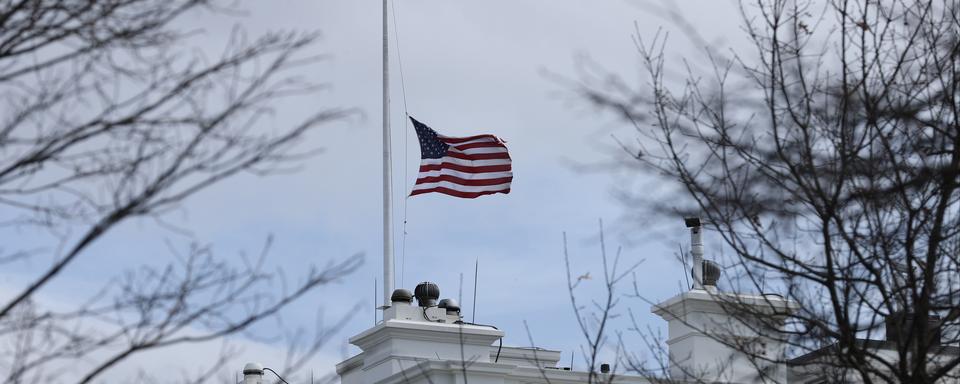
column 423, row 331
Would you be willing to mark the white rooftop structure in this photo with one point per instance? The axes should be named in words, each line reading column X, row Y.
column 429, row 342
column 433, row 344
column 701, row 330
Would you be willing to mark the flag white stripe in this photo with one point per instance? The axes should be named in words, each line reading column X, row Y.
column 465, row 163
column 462, row 188
column 478, row 140
column 465, row 175
column 473, row 151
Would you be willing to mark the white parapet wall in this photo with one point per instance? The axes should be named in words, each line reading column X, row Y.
column 396, row 345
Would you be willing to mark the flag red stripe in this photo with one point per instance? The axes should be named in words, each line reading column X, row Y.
column 479, row 156
column 461, row 181
column 456, row 193
column 454, row 140
column 464, row 147
column 461, row 168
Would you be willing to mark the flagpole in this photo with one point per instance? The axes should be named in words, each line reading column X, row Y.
column 387, row 177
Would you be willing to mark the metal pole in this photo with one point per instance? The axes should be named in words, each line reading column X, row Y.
column 476, row 274
column 387, row 179
column 696, row 249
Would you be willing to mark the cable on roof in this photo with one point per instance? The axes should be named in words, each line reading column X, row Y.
column 275, row 373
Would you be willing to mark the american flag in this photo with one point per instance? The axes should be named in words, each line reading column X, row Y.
column 464, row 167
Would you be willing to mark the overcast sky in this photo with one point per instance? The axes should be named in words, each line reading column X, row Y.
column 469, row 67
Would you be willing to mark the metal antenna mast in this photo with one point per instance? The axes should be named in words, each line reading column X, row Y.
column 476, row 274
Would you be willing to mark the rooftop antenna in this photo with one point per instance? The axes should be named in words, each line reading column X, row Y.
column 460, row 294
column 696, row 249
column 476, row 273
column 375, row 307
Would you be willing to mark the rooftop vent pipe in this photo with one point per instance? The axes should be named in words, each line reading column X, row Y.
column 451, row 305
column 711, row 273
column 427, row 294
column 252, row 373
column 401, row 295
column 696, row 249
